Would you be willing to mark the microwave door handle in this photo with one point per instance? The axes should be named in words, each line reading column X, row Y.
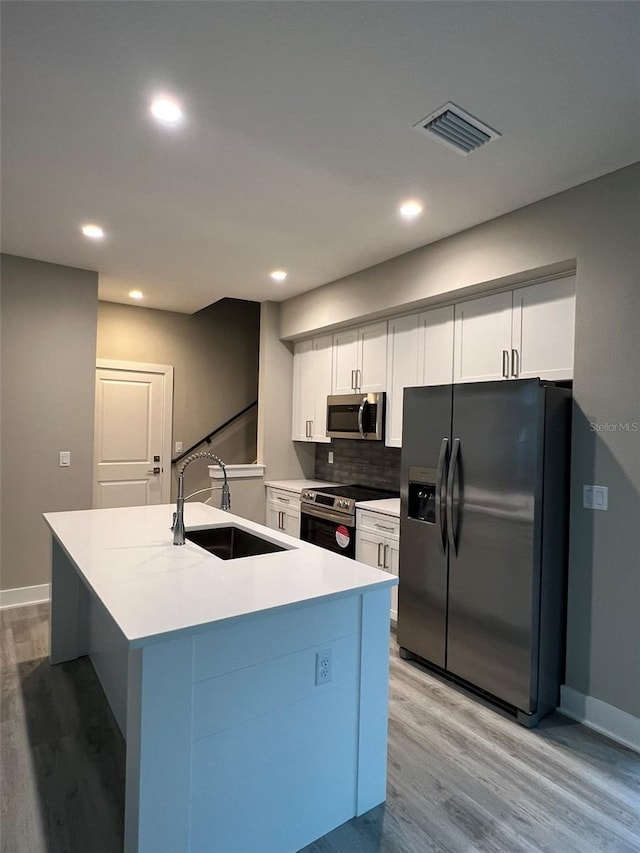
column 451, row 533
column 361, row 415
column 441, row 514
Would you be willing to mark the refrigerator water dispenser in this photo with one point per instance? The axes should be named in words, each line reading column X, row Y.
column 422, row 494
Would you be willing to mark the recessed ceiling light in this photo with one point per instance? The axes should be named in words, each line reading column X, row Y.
column 278, row 275
column 136, row 294
column 95, row 232
column 166, row 110
column 410, row 209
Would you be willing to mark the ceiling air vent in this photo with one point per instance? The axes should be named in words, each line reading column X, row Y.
column 457, row 129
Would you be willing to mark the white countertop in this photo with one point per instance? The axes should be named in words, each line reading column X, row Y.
column 390, row 506
column 299, row 485
column 152, row 587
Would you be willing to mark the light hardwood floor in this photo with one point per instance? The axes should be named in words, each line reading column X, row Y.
column 461, row 777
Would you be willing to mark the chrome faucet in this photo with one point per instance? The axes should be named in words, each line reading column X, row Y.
column 178, row 515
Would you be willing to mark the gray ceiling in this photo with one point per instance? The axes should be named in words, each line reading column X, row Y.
column 298, row 142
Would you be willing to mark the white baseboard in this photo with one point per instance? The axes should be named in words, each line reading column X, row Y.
column 23, row 595
column 604, row 718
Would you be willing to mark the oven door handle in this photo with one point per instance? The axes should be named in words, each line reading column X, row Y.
column 328, row 515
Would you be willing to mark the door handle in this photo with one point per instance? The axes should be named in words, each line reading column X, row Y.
column 505, row 363
column 360, row 416
column 155, row 470
column 450, row 483
column 441, row 514
column 515, row 363
column 380, row 558
column 353, row 381
column 385, row 561
column 358, row 379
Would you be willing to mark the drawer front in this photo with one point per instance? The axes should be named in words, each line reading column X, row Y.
column 379, row 523
column 283, row 498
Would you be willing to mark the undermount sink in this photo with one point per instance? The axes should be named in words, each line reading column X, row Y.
column 231, row 543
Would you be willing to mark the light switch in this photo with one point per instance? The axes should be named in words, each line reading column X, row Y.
column 178, row 447
column 595, row 497
column 65, row 459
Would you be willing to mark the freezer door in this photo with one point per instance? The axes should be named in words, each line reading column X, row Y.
column 492, row 634
column 422, row 594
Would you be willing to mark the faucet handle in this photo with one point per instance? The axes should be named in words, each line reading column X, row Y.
column 173, row 522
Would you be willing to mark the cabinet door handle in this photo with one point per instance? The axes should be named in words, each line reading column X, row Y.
column 386, row 553
column 353, row 380
column 380, row 555
column 505, row 363
column 358, row 379
column 515, row 363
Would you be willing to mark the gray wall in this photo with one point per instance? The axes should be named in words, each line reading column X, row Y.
column 215, row 358
column 595, row 227
column 48, row 344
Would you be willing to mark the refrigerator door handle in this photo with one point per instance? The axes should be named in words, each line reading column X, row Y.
column 450, row 483
column 440, row 480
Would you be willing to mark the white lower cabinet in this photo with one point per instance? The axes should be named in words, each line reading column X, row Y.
column 378, row 545
column 283, row 511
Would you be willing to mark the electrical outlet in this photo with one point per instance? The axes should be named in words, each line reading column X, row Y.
column 324, row 666
column 330, row 457
column 595, row 497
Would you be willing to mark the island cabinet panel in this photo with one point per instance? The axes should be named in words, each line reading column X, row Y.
column 234, row 743
column 244, row 642
column 271, row 686
column 245, row 795
column 159, row 747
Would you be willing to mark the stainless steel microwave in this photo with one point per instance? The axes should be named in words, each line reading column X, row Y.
column 359, row 416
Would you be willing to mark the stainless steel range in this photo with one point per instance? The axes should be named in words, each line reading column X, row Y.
column 328, row 516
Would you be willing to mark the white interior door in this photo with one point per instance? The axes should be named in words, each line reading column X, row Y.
column 132, row 446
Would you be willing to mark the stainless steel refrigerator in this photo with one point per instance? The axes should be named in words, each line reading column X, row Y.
column 483, row 538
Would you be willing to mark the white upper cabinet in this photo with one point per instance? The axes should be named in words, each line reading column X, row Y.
column 419, row 352
column 312, row 362
column 435, row 346
column 360, row 359
column 482, row 338
column 543, row 330
column 403, row 371
column 523, row 333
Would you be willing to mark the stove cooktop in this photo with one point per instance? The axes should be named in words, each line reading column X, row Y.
column 357, row 493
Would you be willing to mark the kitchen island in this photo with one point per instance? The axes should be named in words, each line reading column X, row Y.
column 252, row 692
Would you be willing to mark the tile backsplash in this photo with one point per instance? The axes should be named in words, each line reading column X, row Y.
column 367, row 463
